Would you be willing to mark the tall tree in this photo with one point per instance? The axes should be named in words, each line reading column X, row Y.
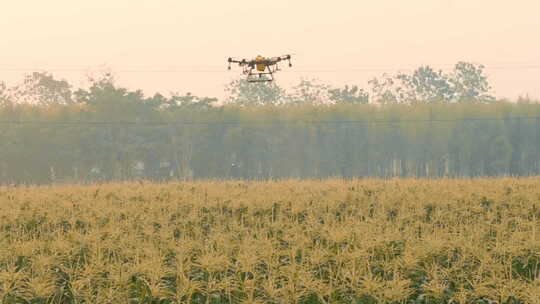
column 189, row 100
column 466, row 82
column 348, row 95
column 387, row 90
column 243, row 92
column 4, row 94
column 309, row 91
column 43, row 88
column 426, row 85
column 469, row 83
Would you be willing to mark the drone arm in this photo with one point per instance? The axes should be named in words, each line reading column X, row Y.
column 231, row 60
column 285, row 57
column 240, row 62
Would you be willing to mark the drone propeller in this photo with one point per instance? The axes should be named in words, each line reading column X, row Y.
column 287, row 57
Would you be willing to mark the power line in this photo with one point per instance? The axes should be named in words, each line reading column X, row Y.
column 224, row 70
column 277, row 122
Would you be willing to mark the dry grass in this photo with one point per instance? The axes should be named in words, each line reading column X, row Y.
column 361, row 241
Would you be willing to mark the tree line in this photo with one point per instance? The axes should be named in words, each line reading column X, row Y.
column 425, row 124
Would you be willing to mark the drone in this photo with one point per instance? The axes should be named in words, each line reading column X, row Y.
column 260, row 69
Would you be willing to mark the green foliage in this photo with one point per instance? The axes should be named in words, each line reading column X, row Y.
column 4, row 96
column 469, row 83
column 309, row 92
column 42, row 88
column 427, row 85
column 265, row 132
column 245, row 93
column 186, row 101
column 465, row 83
column 349, row 95
column 260, row 142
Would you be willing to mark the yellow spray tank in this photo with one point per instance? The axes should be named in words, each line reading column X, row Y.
column 261, row 66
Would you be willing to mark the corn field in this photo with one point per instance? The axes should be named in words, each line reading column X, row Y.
column 294, row 241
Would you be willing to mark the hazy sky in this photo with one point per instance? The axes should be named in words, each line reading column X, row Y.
column 341, row 41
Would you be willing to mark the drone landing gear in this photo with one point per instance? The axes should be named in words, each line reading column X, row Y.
column 260, row 76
